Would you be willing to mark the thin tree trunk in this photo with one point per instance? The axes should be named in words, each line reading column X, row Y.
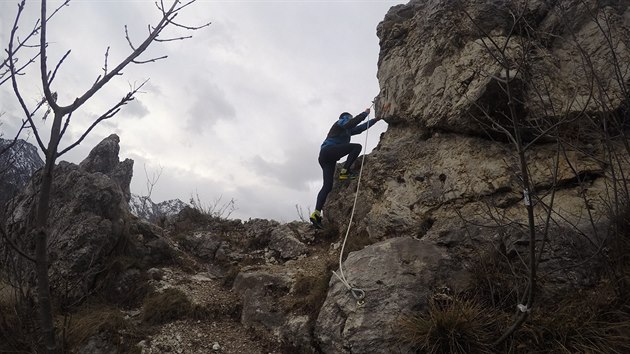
column 41, row 241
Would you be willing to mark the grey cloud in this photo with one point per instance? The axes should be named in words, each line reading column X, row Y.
column 135, row 109
column 300, row 167
column 256, row 203
column 210, row 104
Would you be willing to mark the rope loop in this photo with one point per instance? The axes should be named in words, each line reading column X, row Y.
column 358, row 294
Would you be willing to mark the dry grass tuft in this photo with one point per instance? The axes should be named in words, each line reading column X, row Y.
column 18, row 329
column 94, row 320
column 496, row 279
column 452, row 326
column 585, row 322
column 169, row 305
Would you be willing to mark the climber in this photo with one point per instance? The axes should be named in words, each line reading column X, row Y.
column 336, row 146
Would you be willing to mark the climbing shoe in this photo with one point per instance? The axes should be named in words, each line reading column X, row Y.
column 316, row 219
column 347, row 174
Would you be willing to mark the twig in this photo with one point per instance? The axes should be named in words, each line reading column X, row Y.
column 110, row 113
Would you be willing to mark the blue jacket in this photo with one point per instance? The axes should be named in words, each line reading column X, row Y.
column 345, row 127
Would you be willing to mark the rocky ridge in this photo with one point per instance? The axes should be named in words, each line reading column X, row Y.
column 18, row 162
column 145, row 208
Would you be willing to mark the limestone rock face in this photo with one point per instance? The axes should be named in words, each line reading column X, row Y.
column 450, row 146
column 104, row 159
column 440, row 61
column 282, row 295
column 89, row 223
column 286, row 242
column 396, row 275
column 461, row 78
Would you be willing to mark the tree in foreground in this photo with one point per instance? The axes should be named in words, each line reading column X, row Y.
column 61, row 115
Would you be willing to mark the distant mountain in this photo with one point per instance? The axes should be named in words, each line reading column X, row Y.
column 18, row 162
column 145, row 208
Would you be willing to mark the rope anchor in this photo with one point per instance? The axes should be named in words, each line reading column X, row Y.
column 358, row 294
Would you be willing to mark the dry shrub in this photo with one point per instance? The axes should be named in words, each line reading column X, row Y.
column 452, row 326
column 583, row 322
column 18, row 329
column 495, row 279
column 617, row 256
column 170, row 305
column 93, row 320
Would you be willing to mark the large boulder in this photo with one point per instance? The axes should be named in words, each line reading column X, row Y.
column 398, row 276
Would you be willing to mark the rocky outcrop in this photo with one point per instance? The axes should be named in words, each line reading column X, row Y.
column 447, row 171
column 89, row 225
column 440, row 61
column 449, row 149
column 104, row 159
column 145, row 208
column 18, row 161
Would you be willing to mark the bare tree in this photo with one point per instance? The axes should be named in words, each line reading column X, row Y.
column 6, row 73
column 600, row 117
column 61, row 118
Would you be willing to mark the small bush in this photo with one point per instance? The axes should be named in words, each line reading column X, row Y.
column 617, row 257
column 18, row 327
column 496, row 280
column 453, row 326
column 583, row 322
column 92, row 320
column 169, row 305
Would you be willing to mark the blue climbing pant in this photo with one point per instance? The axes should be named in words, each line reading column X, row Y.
column 328, row 157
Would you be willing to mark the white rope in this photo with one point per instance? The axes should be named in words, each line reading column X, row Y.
column 357, row 293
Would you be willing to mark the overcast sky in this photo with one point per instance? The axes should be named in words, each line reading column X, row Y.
column 238, row 111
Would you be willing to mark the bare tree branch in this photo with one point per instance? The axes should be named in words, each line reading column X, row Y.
column 172, row 39
column 16, row 90
column 15, row 247
column 52, row 77
column 128, row 39
column 65, row 126
column 15, row 139
column 109, row 114
column 191, row 28
column 41, row 209
column 105, row 64
column 149, row 60
column 151, row 181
